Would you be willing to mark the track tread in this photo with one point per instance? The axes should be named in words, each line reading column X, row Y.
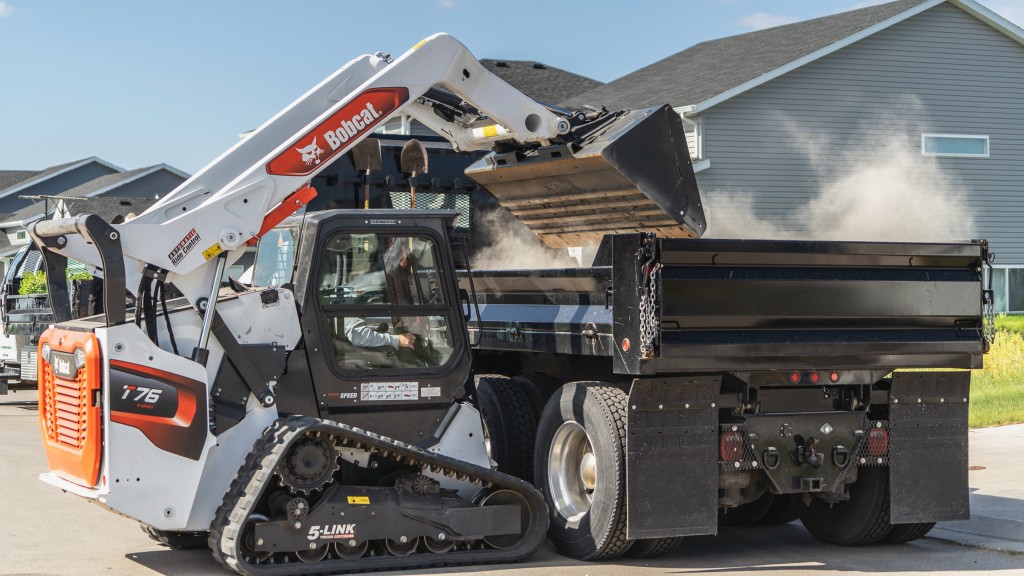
column 257, row 472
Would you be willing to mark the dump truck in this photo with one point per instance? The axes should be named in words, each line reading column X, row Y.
column 358, row 405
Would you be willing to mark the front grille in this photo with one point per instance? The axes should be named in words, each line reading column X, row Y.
column 28, row 363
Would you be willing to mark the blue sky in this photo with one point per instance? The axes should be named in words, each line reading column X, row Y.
column 140, row 82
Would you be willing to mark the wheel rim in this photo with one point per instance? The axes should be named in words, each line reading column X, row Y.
column 314, row 555
column 572, row 471
column 503, row 497
column 398, row 548
column 350, row 550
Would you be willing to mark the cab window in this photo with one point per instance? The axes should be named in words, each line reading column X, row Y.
column 382, row 298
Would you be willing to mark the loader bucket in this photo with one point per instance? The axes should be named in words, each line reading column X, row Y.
column 633, row 175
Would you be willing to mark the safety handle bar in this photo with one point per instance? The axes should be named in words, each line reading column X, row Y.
column 51, row 235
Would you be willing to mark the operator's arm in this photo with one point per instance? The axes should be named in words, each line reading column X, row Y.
column 359, row 334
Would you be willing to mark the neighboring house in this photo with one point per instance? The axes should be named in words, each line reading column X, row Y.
column 541, row 82
column 110, row 195
column 777, row 115
column 53, row 180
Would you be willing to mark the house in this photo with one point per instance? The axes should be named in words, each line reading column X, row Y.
column 899, row 121
column 113, row 194
column 14, row 184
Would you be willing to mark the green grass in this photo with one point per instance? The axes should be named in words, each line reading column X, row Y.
column 997, row 391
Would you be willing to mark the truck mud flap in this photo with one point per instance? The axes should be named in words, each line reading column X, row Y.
column 672, row 458
column 928, row 446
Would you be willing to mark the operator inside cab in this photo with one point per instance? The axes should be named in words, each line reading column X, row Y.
column 378, row 292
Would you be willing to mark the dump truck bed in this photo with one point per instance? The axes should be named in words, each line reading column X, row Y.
column 728, row 305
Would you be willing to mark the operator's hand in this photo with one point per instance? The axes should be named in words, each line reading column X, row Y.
column 407, row 340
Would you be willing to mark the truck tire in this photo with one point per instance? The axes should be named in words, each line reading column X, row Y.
column 861, row 520
column 510, row 425
column 903, row 533
column 538, row 388
column 653, row 547
column 580, row 467
column 783, row 509
column 189, row 540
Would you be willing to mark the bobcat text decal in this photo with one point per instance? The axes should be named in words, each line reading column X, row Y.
column 342, row 128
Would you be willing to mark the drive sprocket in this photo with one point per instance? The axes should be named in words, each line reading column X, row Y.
column 309, row 464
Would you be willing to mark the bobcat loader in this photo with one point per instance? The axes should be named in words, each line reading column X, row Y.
column 325, row 424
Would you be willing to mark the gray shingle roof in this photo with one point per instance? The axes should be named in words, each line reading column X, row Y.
column 39, row 175
column 711, row 68
column 539, row 81
column 9, row 178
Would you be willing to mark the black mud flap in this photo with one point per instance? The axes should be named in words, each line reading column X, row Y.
column 672, row 457
column 928, row 446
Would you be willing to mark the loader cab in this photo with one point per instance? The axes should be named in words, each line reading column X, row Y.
column 381, row 316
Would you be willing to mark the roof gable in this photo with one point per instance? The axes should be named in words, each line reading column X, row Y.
column 97, row 190
column 52, row 172
column 714, row 71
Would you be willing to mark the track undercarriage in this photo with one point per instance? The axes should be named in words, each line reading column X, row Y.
column 317, row 497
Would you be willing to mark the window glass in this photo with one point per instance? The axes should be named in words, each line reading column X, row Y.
column 380, row 269
column 954, row 145
column 383, row 300
column 368, row 342
column 1015, row 289
column 999, row 287
column 275, row 257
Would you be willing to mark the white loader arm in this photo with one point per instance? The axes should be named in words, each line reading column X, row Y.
column 225, row 204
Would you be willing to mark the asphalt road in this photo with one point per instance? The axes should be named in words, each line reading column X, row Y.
column 43, row 531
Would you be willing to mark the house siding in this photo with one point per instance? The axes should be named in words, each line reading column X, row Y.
column 53, row 186
column 941, row 71
column 158, row 183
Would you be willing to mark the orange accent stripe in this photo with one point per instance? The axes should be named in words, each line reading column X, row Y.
column 286, row 208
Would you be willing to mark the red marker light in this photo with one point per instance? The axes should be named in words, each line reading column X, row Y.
column 794, row 377
column 815, row 377
column 878, row 442
column 731, row 446
column 834, row 377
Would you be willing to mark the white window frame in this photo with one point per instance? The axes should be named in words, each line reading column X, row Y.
column 925, row 137
column 1005, row 288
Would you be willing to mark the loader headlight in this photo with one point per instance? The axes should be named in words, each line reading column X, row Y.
column 45, row 352
column 79, row 358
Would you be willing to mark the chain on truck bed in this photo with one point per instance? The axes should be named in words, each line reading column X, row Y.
column 257, row 475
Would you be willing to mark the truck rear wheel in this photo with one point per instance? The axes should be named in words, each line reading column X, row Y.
column 653, row 547
column 538, row 388
column 863, row 519
column 903, row 533
column 580, row 467
column 510, row 425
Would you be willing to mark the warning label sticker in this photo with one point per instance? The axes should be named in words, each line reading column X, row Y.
column 382, row 391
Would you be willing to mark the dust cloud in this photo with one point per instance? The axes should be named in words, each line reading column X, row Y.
column 505, row 243
column 878, row 191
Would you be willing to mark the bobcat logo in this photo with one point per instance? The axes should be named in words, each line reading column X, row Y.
column 311, row 154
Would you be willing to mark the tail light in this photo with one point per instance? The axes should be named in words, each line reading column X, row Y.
column 731, row 446
column 878, row 442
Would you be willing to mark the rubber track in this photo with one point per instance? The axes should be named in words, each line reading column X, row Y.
column 257, row 473
column 615, row 402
